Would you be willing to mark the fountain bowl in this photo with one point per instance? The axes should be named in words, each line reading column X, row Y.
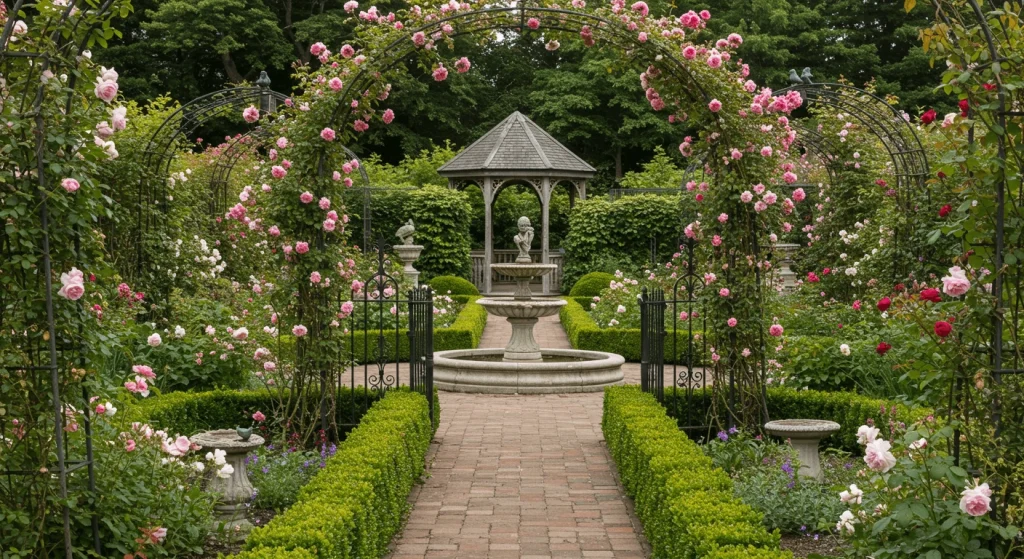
column 509, row 307
column 524, row 270
column 558, row 371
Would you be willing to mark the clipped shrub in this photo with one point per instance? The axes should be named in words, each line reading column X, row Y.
column 848, row 409
column 605, row 235
column 591, row 285
column 685, row 504
column 453, row 285
column 355, row 505
column 585, row 334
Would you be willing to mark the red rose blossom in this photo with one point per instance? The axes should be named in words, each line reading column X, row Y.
column 944, row 210
column 883, row 348
column 964, row 106
column 943, row 328
column 884, row 303
column 931, row 294
column 929, row 116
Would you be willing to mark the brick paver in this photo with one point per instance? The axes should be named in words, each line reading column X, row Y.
column 520, row 476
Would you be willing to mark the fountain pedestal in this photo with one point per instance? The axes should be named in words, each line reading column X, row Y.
column 235, row 490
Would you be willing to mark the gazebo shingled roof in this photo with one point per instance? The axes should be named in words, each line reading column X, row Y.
column 517, row 146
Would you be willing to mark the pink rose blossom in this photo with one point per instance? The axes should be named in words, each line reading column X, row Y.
column 362, row 126
column 976, row 501
column 722, row 218
column 335, row 84
column 640, row 7
column 106, row 91
column 715, row 105
column 440, row 73
column 278, row 172
column 732, row 322
column 716, row 240
column 299, row 330
column 347, row 51
column 302, row 247
column 775, row 330
column 129, row 445
column 314, row 277
column 329, row 225
column 251, row 114
column 956, row 283
column 533, row 23
column 69, row 185
column 746, row 197
column 325, row 203
column 462, row 65
column 327, row 134
column 799, row 195
column 306, row 197
column 388, row 116
column 878, row 457
column 689, row 52
column 336, row 176
column 259, row 417
column 274, row 231
column 282, row 142
column 723, row 292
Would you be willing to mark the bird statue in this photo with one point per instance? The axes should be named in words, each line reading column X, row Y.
column 406, row 232
column 806, row 76
column 793, row 78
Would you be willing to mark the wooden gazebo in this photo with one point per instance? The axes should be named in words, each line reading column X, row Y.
column 517, row 151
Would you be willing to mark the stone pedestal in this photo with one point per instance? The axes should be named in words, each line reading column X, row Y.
column 804, row 435
column 408, row 254
column 235, row 491
column 785, row 253
column 521, row 345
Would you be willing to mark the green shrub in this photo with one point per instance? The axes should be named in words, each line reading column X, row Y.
column 848, row 409
column 584, row 333
column 442, row 217
column 355, row 505
column 606, row 235
column 591, row 285
column 686, row 505
column 453, row 285
column 749, row 552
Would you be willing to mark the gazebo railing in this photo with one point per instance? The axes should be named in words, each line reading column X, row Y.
column 502, row 256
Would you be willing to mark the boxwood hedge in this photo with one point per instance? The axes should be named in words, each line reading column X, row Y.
column 355, row 505
column 686, row 506
column 584, row 333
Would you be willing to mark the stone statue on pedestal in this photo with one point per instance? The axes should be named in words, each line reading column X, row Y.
column 406, row 232
column 524, row 239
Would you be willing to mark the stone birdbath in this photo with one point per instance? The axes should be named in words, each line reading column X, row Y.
column 804, row 434
column 235, row 490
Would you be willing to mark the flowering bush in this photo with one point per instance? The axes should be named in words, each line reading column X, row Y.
column 913, row 500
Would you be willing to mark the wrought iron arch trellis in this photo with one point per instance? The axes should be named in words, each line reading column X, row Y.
column 58, row 353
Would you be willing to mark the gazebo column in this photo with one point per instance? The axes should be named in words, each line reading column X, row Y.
column 545, row 200
column 488, row 189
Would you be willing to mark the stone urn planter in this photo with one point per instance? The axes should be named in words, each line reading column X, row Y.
column 804, row 434
column 235, row 490
column 407, row 254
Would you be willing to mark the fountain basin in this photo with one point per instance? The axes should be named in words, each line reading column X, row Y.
column 485, row 371
column 509, row 307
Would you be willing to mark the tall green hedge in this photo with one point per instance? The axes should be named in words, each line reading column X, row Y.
column 355, row 505
column 686, row 505
column 848, row 409
column 442, row 217
column 584, row 333
column 605, row 236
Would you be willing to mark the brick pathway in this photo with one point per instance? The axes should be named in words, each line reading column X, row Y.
column 520, row 476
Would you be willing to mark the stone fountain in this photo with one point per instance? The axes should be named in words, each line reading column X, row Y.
column 523, row 367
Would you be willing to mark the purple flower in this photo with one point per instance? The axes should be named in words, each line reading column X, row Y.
column 723, row 436
column 787, row 467
column 733, row 430
column 266, row 469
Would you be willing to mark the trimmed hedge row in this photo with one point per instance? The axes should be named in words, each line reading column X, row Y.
column 848, row 409
column 591, row 284
column 687, row 506
column 453, row 285
column 464, row 333
column 188, row 413
column 355, row 505
column 584, row 333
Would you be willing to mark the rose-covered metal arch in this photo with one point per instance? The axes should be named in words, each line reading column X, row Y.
column 60, row 351
column 910, row 162
column 515, row 17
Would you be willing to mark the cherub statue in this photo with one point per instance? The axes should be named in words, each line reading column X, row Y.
column 406, row 232
column 524, row 239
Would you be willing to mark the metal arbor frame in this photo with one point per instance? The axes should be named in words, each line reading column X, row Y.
column 1008, row 307
column 58, row 353
column 910, row 162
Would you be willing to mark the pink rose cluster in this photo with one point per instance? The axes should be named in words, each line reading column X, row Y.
column 956, row 283
column 106, row 85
